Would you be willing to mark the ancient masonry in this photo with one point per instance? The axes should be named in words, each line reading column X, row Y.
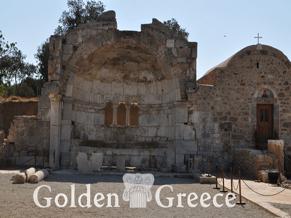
column 133, row 95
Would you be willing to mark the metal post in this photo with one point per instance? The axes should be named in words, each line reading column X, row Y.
column 223, row 187
column 203, row 164
column 257, row 172
column 216, row 172
column 239, row 182
column 208, row 167
column 231, row 181
column 34, row 160
column 279, row 170
column 193, row 161
column 43, row 157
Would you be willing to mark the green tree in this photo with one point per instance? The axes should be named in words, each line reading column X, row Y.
column 42, row 57
column 173, row 25
column 13, row 66
column 78, row 12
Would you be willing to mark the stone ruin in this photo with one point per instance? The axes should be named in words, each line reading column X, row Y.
column 133, row 97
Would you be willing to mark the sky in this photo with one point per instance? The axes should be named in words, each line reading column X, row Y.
column 221, row 27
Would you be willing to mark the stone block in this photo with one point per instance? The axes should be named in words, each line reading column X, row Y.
column 141, row 89
column 87, row 86
column 189, row 132
column 65, row 158
column 84, row 166
column 78, row 83
column 167, row 86
column 277, row 147
column 130, row 90
column 186, row 147
column 96, row 161
column 179, row 159
column 67, row 111
column 71, row 79
column 65, row 132
column 69, row 90
column 105, row 88
column 179, row 131
column 181, row 114
column 117, row 88
column 160, row 90
column 170, row 43
column 120, row 162
column 96, row 86
column 65, row 146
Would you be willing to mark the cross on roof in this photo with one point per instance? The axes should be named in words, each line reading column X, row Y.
column 258, row 37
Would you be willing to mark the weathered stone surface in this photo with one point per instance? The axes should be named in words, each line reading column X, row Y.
column 84, row 166
column 96, row 161
column 38, row 176
column 19, row 178
column 120, row 162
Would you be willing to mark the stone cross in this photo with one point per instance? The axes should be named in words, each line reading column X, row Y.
column 258, row 37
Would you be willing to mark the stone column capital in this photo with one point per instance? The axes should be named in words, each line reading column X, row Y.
column 54, row 97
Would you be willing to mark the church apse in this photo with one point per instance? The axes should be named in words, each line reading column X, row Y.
column 123, row 93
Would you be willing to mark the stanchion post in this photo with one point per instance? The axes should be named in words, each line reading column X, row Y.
column 257, row 172
column 239, row 183
column 43, row 157
column 223, row 187
column 208, row 167
column 203, row 164
column 231, row 181
column 279, row 169
column 193, row 161
column 34, row 160
column 216, row 172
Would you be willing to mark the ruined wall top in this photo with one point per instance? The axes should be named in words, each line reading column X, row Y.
column 98, row 50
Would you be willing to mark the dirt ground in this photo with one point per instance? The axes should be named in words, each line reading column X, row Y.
column 16, row 200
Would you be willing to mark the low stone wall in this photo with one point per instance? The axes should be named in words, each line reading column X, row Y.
column 28, row 137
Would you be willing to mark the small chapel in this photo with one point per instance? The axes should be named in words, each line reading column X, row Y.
column 134, row 96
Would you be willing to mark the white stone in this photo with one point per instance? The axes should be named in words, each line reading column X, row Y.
column 189, row 132
column 105, row 88
column 69, row 90
column 66, row 132
column 96, row 161
column 87, row 86
column 170, row 43
column 96, row 87
column 181, row 114
column 84, row 166
column 117, row 88
column 130, row 89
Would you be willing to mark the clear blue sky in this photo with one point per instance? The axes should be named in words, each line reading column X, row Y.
column 30, row 22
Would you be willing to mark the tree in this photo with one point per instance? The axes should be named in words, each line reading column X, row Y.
column 79, row 12
column 13, row 66
column 173, row 25
column 42, row 56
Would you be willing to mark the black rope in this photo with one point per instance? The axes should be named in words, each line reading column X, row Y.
column 264, row 194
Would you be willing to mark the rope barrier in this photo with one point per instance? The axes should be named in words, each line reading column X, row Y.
column 264, row 194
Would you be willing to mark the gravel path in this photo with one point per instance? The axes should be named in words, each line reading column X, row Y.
column 16, row 200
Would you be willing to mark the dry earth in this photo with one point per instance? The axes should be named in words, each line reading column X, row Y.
column 16, row 200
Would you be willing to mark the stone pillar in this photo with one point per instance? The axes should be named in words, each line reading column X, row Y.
column 66, row 127
column 55, row 130
column 127, row 114
column 114, row 115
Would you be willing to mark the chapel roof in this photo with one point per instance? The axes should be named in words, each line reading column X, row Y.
column 210, row 76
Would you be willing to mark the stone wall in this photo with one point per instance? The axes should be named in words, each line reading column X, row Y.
column 96, row 63
column 10, row 109
column 28, row 137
